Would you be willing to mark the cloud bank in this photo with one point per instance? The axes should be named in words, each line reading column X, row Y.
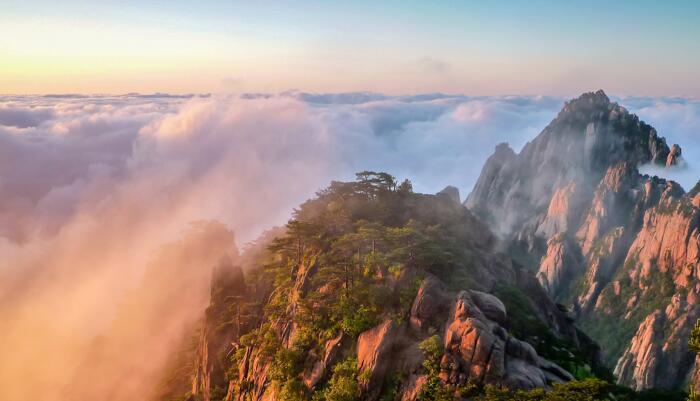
column 99, row 196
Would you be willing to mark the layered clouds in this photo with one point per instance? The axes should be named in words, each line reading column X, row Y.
column 101, row 195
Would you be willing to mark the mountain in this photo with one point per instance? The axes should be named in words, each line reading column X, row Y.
column 619, row 248
column 375, row 292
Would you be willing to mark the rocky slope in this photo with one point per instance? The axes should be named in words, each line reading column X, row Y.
column 374, row 292
column 621, row 249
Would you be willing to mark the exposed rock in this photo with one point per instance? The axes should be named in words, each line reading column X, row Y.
column 673, row 156
column 332, row 351
column 491, row 306
column 588, row 136
column 411, row 389
column 558, row 216
column 658, row 356
column 637, row 367
column 253, row 376
column 451, row 193
column 430, row 306
column 375, row 351
column 611, row 205
column 669, row 242
column 616, row 241
column 602, row 261
column 557, row 265
column 215, row 340
column 479, row 350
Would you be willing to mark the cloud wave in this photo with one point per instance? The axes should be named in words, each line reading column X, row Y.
column 95, row 187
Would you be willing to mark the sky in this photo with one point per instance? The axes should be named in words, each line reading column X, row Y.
column 116, row 203
column 561, row 48
column 115, row 208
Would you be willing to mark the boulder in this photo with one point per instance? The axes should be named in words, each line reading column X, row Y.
column 375, row 353
column 431, row 305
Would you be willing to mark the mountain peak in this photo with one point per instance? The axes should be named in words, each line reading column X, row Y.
column 591, row 103
column 588, row 136
column 597, row 97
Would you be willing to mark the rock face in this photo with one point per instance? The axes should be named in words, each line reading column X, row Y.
column 558, row 265
column 430, row 305
column 589, row 135
column 611, row 242
column 472, row 325
column 320, row 368
column 216, row 336
column 657, row 357
column 451, row 193
column 477, row 346
column 375, row 351
column 479, row 350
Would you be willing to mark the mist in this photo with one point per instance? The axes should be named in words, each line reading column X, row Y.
column 114, row 209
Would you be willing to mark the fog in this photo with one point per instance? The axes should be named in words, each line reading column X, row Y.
column 113, row 209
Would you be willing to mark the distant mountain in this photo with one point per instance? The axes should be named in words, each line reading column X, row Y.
column 620, row 248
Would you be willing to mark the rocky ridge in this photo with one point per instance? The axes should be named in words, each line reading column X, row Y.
column 603, row 238
column 258, row 344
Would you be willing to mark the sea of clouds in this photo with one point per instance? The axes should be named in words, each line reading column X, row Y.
column 99, row 192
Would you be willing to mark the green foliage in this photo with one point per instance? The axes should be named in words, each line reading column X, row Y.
column 434, row 389
column 343, row 384
column 293, row 389
column 263, row 339
column 614, row 333
column 626, row 394
column 525, row 325
column 694, row 345
column 356, row 320
column 586, row 390
column 286, row 365
column 694, row 341
column 392, row 387
column 433, row 350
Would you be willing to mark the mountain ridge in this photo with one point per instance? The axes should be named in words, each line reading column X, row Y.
column 374, row 292
column 595, row 227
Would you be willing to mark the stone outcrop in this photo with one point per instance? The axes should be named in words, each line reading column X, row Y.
column 430, row 306
column 674, row 156
column 557, row 265
column 612, row 242
column 450, row 192
column 320, row 368
column 559, row 218
column 375, row 353
column 479, row 350
column 216, row 337
column 658, row 355
column 589, row 135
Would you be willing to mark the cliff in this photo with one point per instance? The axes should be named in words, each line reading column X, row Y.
column 374, row 292
column 619, row 248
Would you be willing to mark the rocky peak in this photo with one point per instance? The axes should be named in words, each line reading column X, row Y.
column 615, row 244
column 451, row 193
column 587, row 101
column 673, row 156
column 588, row 136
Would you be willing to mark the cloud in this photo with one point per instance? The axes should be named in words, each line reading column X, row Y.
column 20, row 116
column 95, row 188
column 677, row 119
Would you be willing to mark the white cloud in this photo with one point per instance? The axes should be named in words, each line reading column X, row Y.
column 93, row 186
column 677, row 119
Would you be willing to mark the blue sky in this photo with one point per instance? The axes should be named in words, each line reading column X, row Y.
column 482, row 48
